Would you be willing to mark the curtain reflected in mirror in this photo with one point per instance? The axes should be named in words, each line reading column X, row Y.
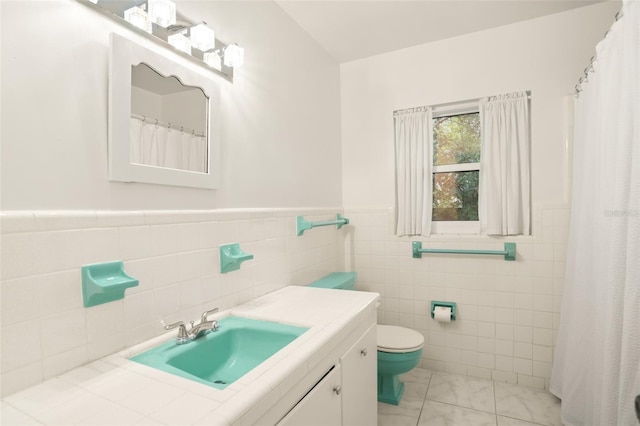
column 169, row 122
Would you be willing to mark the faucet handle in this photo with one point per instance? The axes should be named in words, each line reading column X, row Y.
column 182, row 331
column 174, row 325
column 183, row 334
column 204, row 316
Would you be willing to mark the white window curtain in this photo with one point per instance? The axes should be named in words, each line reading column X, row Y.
column 414, row 159
column 504, row 199
column 596, row 365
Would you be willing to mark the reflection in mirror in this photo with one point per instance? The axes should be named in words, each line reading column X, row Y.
column 168, row 122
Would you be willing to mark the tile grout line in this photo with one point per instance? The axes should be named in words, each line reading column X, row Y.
column 495, row 400
column 424, row 401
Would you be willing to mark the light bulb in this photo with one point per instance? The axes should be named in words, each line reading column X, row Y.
column 162, row 12
column 213, row 60
column 138, row 18
column 180, row 42
column 233, row 55
column 202, row 37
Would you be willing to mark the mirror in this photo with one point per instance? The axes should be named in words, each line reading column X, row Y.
column 162, row 118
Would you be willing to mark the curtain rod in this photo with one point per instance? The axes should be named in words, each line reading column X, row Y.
column 156, row 122
column 455, row 104
column 589, row 68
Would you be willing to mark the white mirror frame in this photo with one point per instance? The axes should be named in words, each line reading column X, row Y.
column 125, row 53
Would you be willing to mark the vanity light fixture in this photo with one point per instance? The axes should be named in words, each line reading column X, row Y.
column 233, row 55
column 180, row 41
column 138, row 18
column 160, row 21
column 202, row 37
column 162, row 12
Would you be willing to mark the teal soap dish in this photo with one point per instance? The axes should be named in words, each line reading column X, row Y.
column 104, row 282
column 231, row 256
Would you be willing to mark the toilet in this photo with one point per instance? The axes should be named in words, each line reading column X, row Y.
column 399, row 348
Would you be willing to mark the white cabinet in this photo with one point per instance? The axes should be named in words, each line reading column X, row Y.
column 347, row 395
column 360, row 381
column 321, row 406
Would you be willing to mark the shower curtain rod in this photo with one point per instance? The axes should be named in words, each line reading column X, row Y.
column 589, row 68
column 156, row 122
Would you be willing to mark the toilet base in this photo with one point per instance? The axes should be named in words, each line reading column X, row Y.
column 390, row 389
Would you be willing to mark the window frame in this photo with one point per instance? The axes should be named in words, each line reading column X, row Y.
column 444, row 227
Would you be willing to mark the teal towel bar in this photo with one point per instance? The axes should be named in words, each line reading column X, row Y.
column 302, row 225
column 509, row 251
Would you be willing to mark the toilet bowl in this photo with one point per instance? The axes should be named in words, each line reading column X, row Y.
column 399, row 348
column 399, row 351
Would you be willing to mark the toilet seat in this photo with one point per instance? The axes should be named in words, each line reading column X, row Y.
column 396, row 339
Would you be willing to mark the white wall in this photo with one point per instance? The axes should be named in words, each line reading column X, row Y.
column 545, row 55
column 280, row 124
column 508, row 312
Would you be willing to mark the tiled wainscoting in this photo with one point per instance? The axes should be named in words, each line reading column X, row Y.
column 508, row 312
column 175, row 255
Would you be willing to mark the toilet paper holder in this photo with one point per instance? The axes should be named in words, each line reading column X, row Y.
column 451, row 305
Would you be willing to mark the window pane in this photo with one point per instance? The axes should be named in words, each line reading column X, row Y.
column 456, row 139
column 455, row 196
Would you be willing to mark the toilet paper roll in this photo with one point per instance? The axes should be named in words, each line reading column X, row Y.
column 442, row 314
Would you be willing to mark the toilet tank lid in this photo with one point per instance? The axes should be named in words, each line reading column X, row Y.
column 336, row 280
column 392, row 338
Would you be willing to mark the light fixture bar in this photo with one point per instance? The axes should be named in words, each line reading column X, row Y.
column 115, row 11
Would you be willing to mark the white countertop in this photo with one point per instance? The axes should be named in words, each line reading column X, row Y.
column 114, row 390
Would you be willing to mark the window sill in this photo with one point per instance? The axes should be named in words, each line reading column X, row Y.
column 448, row 228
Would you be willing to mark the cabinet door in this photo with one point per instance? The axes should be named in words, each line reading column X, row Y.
column 321, row 406
column 360, row 381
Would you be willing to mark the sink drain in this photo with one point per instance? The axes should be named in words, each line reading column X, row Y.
column 220, row 382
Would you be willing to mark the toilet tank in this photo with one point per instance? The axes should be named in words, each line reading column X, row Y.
column 337, row 280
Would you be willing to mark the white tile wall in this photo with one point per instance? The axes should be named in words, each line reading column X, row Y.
column 45, row 328
column 508, row 312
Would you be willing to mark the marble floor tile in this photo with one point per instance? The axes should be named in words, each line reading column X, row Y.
column 508, row 421
column 527, row 404
column 463, row 391
column 12, row 416
column 416, row 383
column 419, row 375
column 405, row 414
column 439, row 414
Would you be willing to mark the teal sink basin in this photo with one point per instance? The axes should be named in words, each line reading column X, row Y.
column 222, row 357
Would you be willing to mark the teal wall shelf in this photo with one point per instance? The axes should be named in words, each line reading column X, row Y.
column 231, row 257
column 104, row 283
column 303, row 225
column 451, row 305
column 509, row 251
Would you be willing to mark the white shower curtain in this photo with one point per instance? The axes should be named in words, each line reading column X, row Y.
column 155, row 145
column 504, row 199
column 596, row 369
column 414, row 159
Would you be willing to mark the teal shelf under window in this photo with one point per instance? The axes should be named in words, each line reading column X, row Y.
column 104, row 283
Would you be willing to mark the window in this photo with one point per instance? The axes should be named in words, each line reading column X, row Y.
column 456, row 171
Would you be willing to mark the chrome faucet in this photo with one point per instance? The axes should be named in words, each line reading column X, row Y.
column 196, row 330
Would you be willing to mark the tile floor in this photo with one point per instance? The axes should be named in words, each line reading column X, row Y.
column 434, row 398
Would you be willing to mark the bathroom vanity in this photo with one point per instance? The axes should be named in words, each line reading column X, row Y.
column 326, row 376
